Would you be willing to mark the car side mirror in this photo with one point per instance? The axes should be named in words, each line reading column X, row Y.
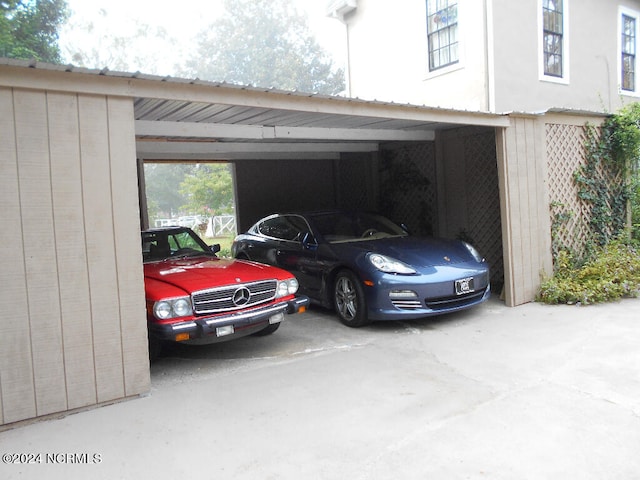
column 215, row 248
column 309, row 242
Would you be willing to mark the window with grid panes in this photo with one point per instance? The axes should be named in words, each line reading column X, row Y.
column 442, row 32
column 552, row 19
column 628, row 53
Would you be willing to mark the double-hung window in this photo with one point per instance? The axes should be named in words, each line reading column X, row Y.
column 442, row 32
column 553, row 37
column 628, row 39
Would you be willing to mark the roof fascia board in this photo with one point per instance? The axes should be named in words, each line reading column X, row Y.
column 259, row 132
column 181, row 90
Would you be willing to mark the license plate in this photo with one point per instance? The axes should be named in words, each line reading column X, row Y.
column 464, row 285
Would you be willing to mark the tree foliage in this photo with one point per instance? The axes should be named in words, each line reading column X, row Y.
column 264, row 43
column 208, row 189
column 100, row 46
column 29, row 28
column 624, row 132
column 176, row 189
column 162, row 183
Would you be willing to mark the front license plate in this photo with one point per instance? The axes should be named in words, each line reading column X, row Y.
column 464, row 285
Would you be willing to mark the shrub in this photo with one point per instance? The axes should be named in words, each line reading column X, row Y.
column 612, row 273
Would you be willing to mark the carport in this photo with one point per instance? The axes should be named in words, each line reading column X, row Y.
column 69, row 140
column 308, row 152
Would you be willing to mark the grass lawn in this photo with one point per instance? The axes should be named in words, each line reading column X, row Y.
column 225, row 244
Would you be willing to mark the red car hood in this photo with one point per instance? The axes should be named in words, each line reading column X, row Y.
column 199, row 273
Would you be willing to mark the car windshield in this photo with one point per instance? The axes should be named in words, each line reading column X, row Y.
column 338, row 227
column 162, row 244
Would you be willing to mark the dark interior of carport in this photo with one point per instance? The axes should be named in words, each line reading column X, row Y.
column 438, row 177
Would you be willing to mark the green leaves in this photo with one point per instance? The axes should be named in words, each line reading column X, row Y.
column 195, row 189
column 608, row 266
column 29, row 29
column 601, row 182
column 208, row 190
column 613, row 273
column 264, row 43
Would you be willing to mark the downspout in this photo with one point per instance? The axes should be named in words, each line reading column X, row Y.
column 347, row 73
column 339, row 10
column 489, row 57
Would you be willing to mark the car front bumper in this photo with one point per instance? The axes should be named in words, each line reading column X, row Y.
column 433, row 295
column 223, row 327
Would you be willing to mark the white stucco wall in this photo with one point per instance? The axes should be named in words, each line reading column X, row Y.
column 500, row 56
column 591, row 71
column 389, row 56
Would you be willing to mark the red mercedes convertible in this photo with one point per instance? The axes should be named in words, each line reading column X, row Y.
column 195, row 297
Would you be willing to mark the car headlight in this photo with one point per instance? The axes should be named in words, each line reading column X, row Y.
column 162, row 310
column 182, row 307
column 390, row 265
column 287, row 287
column 473, row 252
column 171, row 308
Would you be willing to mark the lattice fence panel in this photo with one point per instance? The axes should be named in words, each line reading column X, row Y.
column 408, row 186
column 565, row 154
column 483, row 200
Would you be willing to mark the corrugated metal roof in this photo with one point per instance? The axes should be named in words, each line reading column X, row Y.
column 171, row 101
column 105, row 72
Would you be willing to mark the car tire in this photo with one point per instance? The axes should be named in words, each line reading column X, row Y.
column 348, row 299
column 268, row 330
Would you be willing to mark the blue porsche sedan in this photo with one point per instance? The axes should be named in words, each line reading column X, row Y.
column 366, row 267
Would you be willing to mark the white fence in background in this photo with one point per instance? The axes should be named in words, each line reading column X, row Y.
column 221, row 225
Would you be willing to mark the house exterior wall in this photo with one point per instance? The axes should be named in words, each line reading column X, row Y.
column 72, row 271
column 500, row 67
column 388, row 57
column 591, row 76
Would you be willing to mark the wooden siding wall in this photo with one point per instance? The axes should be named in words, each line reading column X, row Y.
column 524, row 199
column 73, row 328
column 264, row 187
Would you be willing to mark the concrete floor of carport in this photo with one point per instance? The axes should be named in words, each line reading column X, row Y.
column 532, row 392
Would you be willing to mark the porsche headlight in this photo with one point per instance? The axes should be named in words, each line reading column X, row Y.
column 171, row 308
column 473, row 252
column 390, row 265
column 287, row 287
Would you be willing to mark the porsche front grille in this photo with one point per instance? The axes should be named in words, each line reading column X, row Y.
column 452, row 302
column 234, row 297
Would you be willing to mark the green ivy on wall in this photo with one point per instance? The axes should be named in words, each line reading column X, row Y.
column 605, row 181
column 608, row 268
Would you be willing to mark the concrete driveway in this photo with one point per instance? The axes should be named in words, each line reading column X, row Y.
column 533, row 392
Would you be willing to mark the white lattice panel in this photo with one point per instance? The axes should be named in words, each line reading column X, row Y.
column 565, row 154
